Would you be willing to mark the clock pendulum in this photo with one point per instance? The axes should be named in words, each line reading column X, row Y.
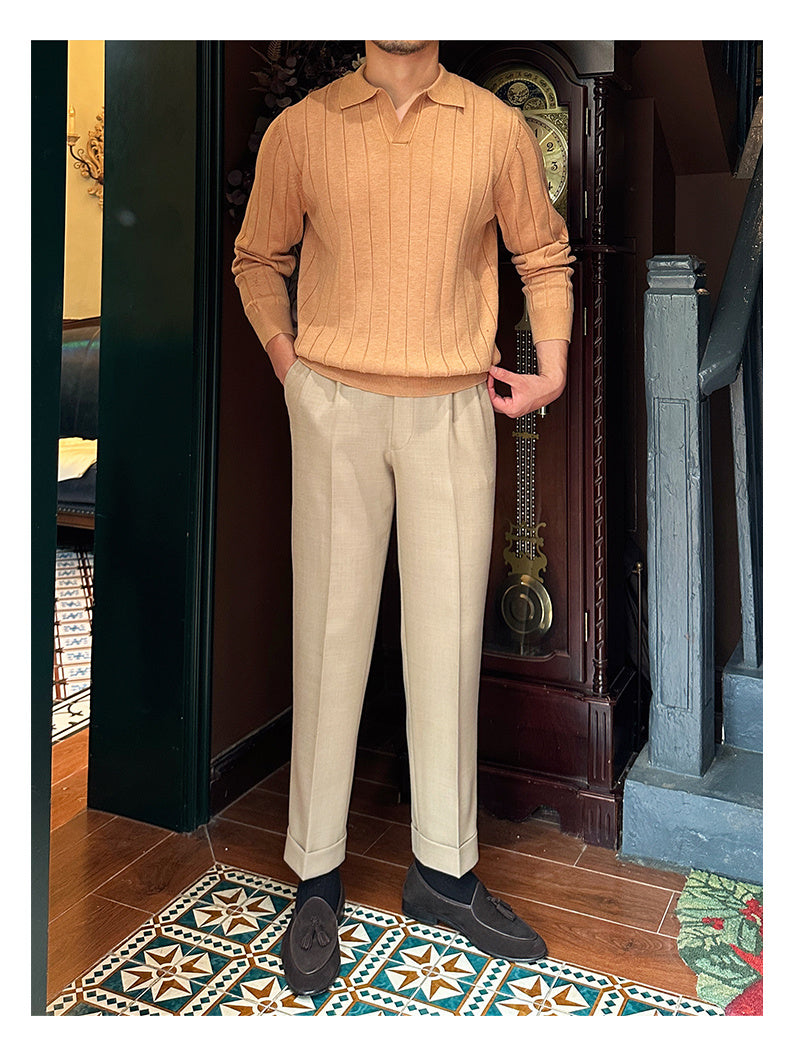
column 525, row 604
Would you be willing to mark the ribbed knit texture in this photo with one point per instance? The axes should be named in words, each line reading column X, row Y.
column 397, row 290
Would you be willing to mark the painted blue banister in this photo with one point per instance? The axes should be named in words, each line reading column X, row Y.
column 680, row 554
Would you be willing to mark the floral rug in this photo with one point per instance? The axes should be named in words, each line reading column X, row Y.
column 721, row 939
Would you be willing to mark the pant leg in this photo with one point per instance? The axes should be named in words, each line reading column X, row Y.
column 445, row 478
column 342, row 508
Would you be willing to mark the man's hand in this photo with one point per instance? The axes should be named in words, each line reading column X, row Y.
column 281, row 353
column 531, row 391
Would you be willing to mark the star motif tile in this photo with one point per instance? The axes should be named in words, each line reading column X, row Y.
column 215, row 951
column 259, row 993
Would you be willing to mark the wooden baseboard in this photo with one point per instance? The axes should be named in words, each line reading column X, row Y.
column 239, row 768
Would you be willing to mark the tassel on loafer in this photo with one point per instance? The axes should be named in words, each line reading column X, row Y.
column 310, row 946
column 487, row 922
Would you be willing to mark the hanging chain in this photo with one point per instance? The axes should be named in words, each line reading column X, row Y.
column 525, row 435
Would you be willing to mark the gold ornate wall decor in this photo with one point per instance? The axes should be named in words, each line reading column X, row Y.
column 89, row 161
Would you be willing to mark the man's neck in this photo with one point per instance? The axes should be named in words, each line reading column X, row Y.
column 402, row 76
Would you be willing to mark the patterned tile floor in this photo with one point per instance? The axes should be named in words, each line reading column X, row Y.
column 73, row 641
column 215, row 951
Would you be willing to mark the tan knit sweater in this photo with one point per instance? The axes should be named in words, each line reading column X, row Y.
column 397, row 290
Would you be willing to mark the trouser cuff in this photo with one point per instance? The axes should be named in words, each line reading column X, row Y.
column 313, row 864
column 454, row 861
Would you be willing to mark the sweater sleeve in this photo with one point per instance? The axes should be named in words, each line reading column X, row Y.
column 536, row 235
column 273, row 224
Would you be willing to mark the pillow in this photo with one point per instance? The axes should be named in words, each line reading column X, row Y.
column 75, row 456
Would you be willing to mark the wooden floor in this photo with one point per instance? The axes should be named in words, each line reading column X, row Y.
column 109, row 875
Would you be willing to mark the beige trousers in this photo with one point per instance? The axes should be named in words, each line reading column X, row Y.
column 355, row 455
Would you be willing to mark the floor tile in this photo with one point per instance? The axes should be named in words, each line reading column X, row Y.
column 670, row 924
column 604, row 861
column 66, row 837
column 517, row 990
column 68, row 798
column 581, row 992
column 393, row 845
column 221, row 955
column 277, row 781
column 268, row 810
column 234, row 844
column 156, row 876
column 214, row 950
column 99, row 856
column 74, row 571
column 607, row 946
column 532, row 837
column 379, row 800
column 375, row 882
column 261, row 808
column 376, row 766
column 70, row 756
column 554, row 884
column 82, row 935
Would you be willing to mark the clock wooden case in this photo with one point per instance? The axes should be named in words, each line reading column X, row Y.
column 557, row 708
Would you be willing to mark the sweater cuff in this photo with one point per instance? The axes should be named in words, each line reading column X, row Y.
column 553, row 324
column 269, row 320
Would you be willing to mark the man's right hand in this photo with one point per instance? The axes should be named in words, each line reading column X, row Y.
column 281, row 353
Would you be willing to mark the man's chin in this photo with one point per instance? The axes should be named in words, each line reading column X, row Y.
column 402, row 47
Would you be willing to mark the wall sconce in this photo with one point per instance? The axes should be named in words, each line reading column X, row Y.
column 89, row 162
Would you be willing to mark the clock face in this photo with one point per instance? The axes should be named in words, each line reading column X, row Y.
column 531, row 92
column 554, row 153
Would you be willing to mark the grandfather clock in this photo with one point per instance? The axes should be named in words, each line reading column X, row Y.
column 557, row 708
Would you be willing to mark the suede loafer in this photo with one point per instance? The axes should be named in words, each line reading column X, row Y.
column 310, row 946
column 487, row 922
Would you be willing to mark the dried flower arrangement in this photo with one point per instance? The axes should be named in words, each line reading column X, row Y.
column 289, row 70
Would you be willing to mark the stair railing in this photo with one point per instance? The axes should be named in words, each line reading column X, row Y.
column 734, row 357
column 688, row 356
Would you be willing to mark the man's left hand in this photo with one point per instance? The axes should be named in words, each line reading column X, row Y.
column 531, row 391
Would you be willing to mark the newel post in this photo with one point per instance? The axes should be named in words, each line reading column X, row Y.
column 680, row 543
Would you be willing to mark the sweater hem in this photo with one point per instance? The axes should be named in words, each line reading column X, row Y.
column 403, row 387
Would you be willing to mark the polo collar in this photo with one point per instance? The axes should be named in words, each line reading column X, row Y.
column 447, row 89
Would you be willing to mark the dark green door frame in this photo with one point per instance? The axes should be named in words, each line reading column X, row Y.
column 154, row 538
column 48, row 131
column 151, row 650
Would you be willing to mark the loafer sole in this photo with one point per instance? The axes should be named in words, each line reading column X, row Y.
column 476, row 942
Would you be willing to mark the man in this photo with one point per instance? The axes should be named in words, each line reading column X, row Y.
column 395, row 177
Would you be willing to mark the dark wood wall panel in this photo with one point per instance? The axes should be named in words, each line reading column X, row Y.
column 253, row 582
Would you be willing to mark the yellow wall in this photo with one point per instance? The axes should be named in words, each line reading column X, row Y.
column 84, row 216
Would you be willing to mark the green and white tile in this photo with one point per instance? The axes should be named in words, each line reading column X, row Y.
column 215, row 951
